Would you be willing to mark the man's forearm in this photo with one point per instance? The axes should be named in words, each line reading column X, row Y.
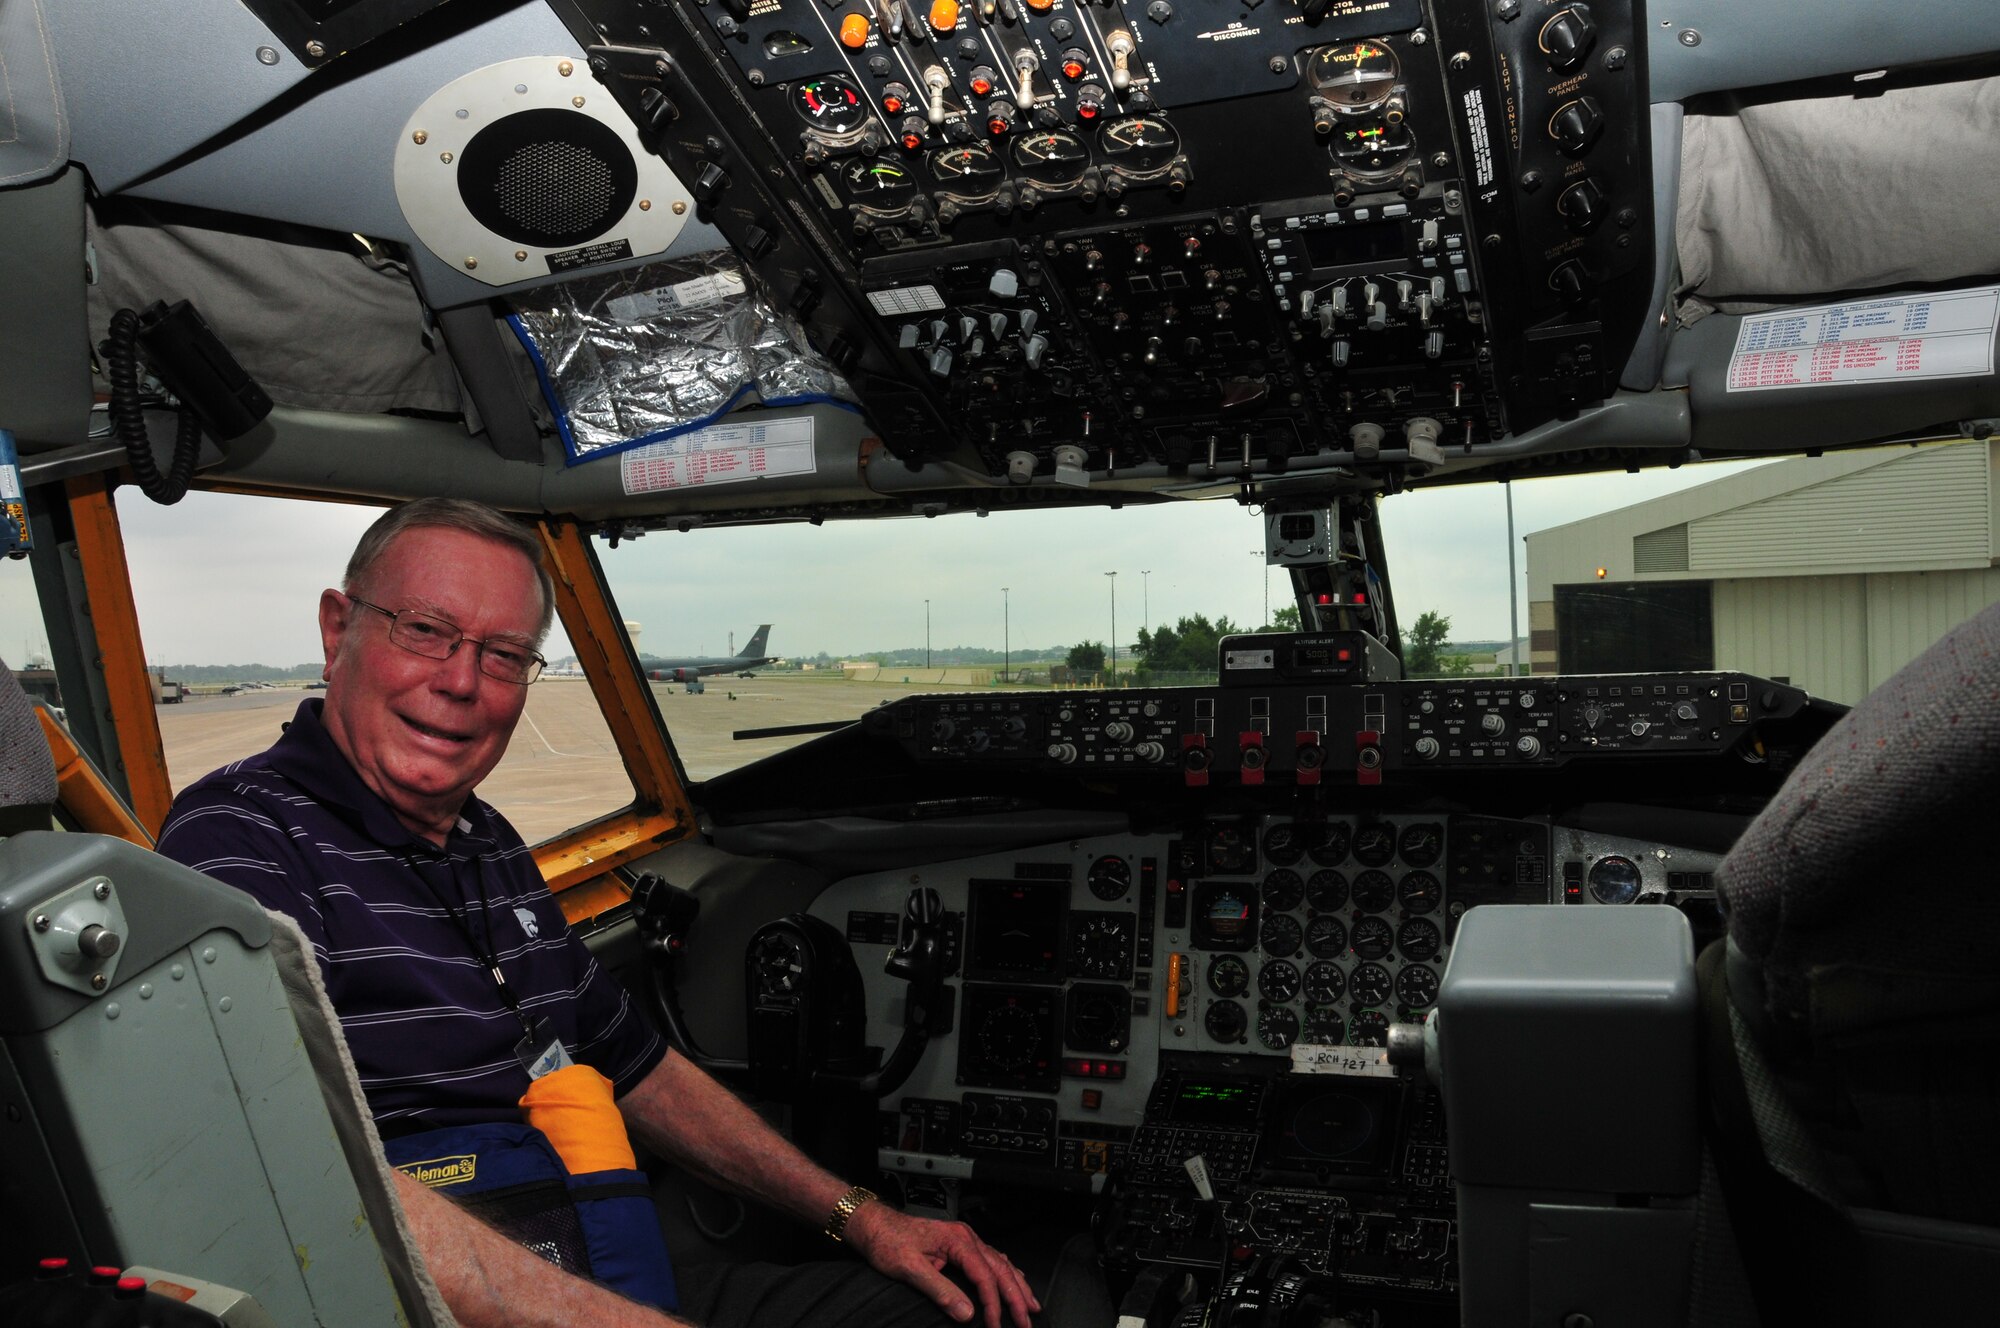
column 682, row 1114
column 490, row 1282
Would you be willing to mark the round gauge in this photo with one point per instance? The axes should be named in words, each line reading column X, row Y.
column 1283, row 890
column 1371, row 1029
column 1009, row 1037
column 1231, row 852
column 1326, row 938
column 1324, row 1026
column 1228, row 976
column 1327, row 891
column 1418, row 939
column 1227, row 914
column 1329, row 843
column 879, row 184
column 1373, row 891
column 1417, row 985
column 1614, row 880
column 971, row 171
column 1325, row 983
column 1141, row 146
column 1356, row 76
column 778, row 966
column 832, row 105
column 1369, row 985
column 1419, row 892
column 1051, row 158
column 1372, row 938
column 1109, row 878
column 1421, row 843
column 1101, row 946
column 1372, row 144
column 1278, row 980
column 1100, row 1018
column 1277, row 1028
column 1280, row 935
column 1374, row 844
column 1283, row 845
column 1225, row 1021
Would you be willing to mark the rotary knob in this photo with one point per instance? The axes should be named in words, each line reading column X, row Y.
column 1062, row 753
column 1528, row 745
column 1582, row 206
column 1492, row 725
column 942, row 729
column 95, row 942
column 1427, row 748
column 1568, row 36
column 1576, row 125
column 1151, row 751
column 1119, row 731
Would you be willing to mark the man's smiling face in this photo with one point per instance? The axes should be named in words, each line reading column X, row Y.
column 423, row 732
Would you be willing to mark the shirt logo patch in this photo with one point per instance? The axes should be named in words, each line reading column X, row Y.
column 440, row 1171
column 528, row 923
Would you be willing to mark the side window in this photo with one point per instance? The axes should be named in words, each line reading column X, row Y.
column 227, row 589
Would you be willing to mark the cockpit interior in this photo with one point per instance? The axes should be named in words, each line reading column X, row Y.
column 1321, row 995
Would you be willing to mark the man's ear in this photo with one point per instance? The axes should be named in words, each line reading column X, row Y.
column 335, row 612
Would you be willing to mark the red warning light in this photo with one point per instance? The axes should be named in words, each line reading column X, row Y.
column 996, row 126
column 1072, row 69
column 1360, row 597
column 913, row 141
column 892, row 103
column 1324, row 600
column 981, row 86
column 1086, row 110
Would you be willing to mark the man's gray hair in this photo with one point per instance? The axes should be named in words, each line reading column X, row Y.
column 453, row 514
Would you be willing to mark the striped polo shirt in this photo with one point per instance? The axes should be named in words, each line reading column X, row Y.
column 431, row 1036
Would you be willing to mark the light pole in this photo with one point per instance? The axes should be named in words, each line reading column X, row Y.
column 927, row 633
column 1259, row 555
column 1006, row 635
column 1513, row 593
column 1146, row 599
column 1114, row 627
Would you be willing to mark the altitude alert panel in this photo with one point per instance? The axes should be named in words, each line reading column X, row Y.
column 528, row 168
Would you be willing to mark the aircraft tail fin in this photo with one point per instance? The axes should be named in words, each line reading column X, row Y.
column 755, row 649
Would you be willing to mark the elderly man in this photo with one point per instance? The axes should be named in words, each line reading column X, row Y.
column 460, row 989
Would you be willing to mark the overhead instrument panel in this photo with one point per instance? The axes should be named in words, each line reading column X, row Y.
column 1060, row 240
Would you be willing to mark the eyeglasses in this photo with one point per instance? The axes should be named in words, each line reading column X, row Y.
column 434, row 638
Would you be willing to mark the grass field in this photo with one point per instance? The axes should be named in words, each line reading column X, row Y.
column 562, row 767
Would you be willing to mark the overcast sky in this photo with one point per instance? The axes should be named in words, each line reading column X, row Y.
column 225, row 579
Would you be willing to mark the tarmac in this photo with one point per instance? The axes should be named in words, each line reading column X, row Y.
column 562, row 767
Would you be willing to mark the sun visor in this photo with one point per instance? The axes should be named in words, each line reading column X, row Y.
column 643, row 355
column 30, row 97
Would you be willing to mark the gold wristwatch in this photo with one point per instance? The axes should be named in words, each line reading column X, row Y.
column 848, row 1205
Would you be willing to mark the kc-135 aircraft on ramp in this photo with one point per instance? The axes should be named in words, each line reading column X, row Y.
column 703, row 666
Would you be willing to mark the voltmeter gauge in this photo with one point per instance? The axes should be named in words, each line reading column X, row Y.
column 1356, row 76
column 1278, row 980
column 1417, row 986
column 1052, row 159
column 831, row 105
column 1139, row 147
column 970, row 173
column 1369, row 985
column 1372, row 144
column 879, row 184
column 1325, row 983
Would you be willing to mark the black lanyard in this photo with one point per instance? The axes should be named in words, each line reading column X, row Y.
column 485, row 955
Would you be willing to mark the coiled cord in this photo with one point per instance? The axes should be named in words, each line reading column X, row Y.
column 128, row 418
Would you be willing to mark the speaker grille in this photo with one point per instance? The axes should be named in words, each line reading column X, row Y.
column 548, row 178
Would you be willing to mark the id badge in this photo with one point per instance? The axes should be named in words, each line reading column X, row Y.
column 541, row 1052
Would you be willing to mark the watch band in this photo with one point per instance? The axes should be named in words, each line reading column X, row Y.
column 844, row 1208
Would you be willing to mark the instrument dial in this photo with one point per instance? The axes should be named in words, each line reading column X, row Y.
column 1281, row 935
column 1325, row 983
column 1324, row 1026
column 1282, row 889
column 1421, row 843
column 1419, row 892
column 1374, row 844
column 1054, row 159
column 1369, row 985
column 831, row 105
column 1614, row 880
column 1327, row 891
column 1374, row 891
column 1225, row 1021
column 970, row 173
column 1326, row 937
column 1278, row 981
column 1283, row 845
column 1417, row 986
column 1231, row 851
column 1372, row 938
column 1109, row 878
column 1139, row 147
column 1228, row 976
column 1009, row 1037
column 1356, row 76
column 878, row 184
column 1329, row 843
column 1372, row 145
column 1101, row 946
column 1277, row 1027
column 1418, row 939
column 1229, row 913
column 1371, row 1029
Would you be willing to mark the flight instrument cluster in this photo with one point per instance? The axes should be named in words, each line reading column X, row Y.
column 1059, row 238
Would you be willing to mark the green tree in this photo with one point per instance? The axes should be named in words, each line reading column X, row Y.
column 1190, row 646
column 1086, row 657
column 1284, row 620
column 1421, row 643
